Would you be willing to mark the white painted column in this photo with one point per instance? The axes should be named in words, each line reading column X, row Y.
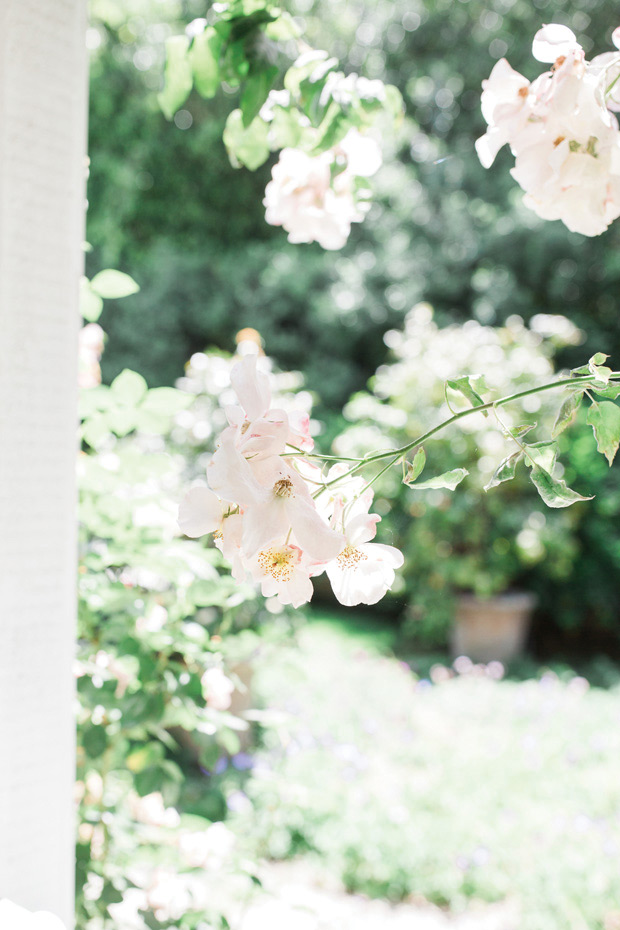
column 43, row 87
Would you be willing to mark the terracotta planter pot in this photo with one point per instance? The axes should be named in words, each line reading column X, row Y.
column 492, row 628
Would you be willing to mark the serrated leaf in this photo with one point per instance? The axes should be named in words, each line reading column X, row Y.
column 449, row 480
column 415, row 467
column 129, row 387
column 91, row 304
column 604, row 418
column 542, row 454
column 554, row 491
column 465, row 387
column 178, row 77
column 204, row 58
column 255, row 92
column 113, row 284
column 567, row 413
column 249, row 145
column 505, row 471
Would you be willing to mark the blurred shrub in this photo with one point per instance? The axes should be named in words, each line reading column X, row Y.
column 472, row 540
column 164, row 633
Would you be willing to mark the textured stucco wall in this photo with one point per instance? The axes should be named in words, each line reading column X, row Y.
column 42, row 144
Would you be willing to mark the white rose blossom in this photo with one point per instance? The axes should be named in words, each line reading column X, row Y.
column 276, row 516
column 565, row 140
column 314, row 198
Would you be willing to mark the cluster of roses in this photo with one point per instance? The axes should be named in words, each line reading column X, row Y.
column 276, row 516
column 560, row 127
column 317, row 197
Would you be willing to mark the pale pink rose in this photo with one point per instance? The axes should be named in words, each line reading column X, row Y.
column 312, row 201
column 217, row 689
column 554, row 41
column 283, row 571
column 364, row 571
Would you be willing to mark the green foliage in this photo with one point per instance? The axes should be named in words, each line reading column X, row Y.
column 449, row 480
column 239, row 48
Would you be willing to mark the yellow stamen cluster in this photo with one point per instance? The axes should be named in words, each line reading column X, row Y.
column 283, row 488
column 279, row 563
column 351, row 556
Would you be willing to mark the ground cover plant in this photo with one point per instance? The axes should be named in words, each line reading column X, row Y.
column 454, row 784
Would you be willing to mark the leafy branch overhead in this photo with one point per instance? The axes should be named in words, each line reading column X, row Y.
column 540, row 457
column 289, row 94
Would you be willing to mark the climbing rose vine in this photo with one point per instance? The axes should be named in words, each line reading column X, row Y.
column 560, row 128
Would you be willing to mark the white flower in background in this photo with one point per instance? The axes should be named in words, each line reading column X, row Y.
column 152, row 811
column 217, row 689
column 207, row 849
column 14, row 917
column 314, row 196
column 565, row 140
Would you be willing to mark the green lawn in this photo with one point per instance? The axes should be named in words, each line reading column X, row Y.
column 472, row 788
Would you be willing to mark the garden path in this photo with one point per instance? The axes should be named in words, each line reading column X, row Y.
column 294, row 901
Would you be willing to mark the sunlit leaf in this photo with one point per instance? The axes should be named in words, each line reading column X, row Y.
column 554, row 491
column 129, row 387
column 415, row 467
column 247, row 146
column 505, row 471
column 604, row 418
column 465, row 387
column 178, row 77
column 113, row 284
column 91, row 304
column 543, row 454
column 449, row 480
column 204, row 56
column 567, row 414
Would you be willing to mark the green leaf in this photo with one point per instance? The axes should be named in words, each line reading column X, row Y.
column 94, row 740
column 166, row 401
column 285, row 130
column 129, row 387
column 204, row 58
column 113, row 284
column 604, row 418
column 610, row 391
column 283, row 29
column 415, row 467
column 596, row 367
column 255, row 92
column 554, row 492
column 505, row 471
column 91, row 304
column 465, row 387
column 543, row 454
column 303, row 68
column 178, row 77
column 449, row 480
column 568, row 412
column 247, row 146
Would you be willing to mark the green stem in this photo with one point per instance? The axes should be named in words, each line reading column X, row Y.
column 395, row 454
